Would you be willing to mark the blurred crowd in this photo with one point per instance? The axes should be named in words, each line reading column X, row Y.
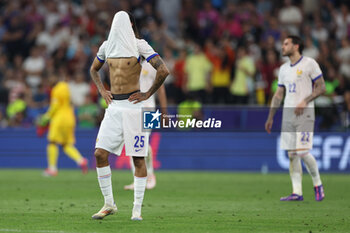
column 219, row 52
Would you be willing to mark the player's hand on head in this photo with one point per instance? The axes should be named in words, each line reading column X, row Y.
column 138, row 97
column 107, row 95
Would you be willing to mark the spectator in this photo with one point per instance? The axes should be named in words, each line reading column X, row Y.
column 79, row 89
column 179, row 76
column 310, row 50
column 222, row 58
column 188, row 20
column 264, row 7
column 169, row 81
column 169, row 11
column 34, row 67
column 16, row 111
column 242, row 85
column 273, row 29
column 197, row 68
column 50, row 39
column 206, row 19
column 87, row 113
column 343, row 55
column 40, row 98
column 230, row 24
column 13, row 36
column 342, row 20
column 319, row 32
column 269, row 71
column 190, row 108
column 291, row 17
column 15, row 84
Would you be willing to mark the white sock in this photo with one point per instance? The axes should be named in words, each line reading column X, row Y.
column 296, row 173
column 104, row 176
column 149, row 162
column 139, row 192
column 312, row 168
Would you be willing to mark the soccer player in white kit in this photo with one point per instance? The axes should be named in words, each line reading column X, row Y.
column 301, row 80
column 148, row 74
column 122, row 123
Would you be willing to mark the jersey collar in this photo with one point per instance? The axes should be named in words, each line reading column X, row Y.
column 291, row 65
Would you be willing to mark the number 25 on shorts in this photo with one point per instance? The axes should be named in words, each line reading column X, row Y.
column 139, row 141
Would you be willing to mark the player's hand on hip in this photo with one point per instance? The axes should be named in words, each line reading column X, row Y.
column 107, row 95
column 268, row 125
column 138, row 97
column 300, row 108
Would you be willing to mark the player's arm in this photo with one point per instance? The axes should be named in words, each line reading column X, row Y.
column 161, row 95
column 54, row 105
column 275, row 104
column 319, row 88
column 95, row 67
column 162, row 73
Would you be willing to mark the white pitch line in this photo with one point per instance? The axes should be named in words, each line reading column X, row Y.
column 9, row 230
column 37, row 231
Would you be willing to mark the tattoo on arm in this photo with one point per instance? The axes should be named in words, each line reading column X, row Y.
column 319, row 89
column 96, row 77
column 162, row 73
column 156, row 62
column 276, row 102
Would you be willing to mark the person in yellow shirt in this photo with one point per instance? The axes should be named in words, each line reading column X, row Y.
column 243, row 81
column 198, row 71
column 61, row 130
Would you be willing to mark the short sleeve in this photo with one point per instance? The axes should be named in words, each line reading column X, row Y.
column 146, row 50
column 101, row 54
column 315, row 71
column 280, row 78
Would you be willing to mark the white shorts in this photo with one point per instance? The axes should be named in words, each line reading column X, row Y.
column 122, row 124
column 297, row 135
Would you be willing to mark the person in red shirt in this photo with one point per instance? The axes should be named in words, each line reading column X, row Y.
column 179, row 76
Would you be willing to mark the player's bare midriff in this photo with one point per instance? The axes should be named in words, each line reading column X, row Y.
column 124, row 75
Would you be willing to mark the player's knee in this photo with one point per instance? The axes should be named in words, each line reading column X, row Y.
column 66, row 147
column 101, row 156
column 292, row 154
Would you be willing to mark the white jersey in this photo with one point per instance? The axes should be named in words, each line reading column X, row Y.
column 298, row 80
column 147, row 77
column 143, row 48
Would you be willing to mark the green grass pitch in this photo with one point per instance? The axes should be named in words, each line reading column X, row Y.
column 181, row 202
